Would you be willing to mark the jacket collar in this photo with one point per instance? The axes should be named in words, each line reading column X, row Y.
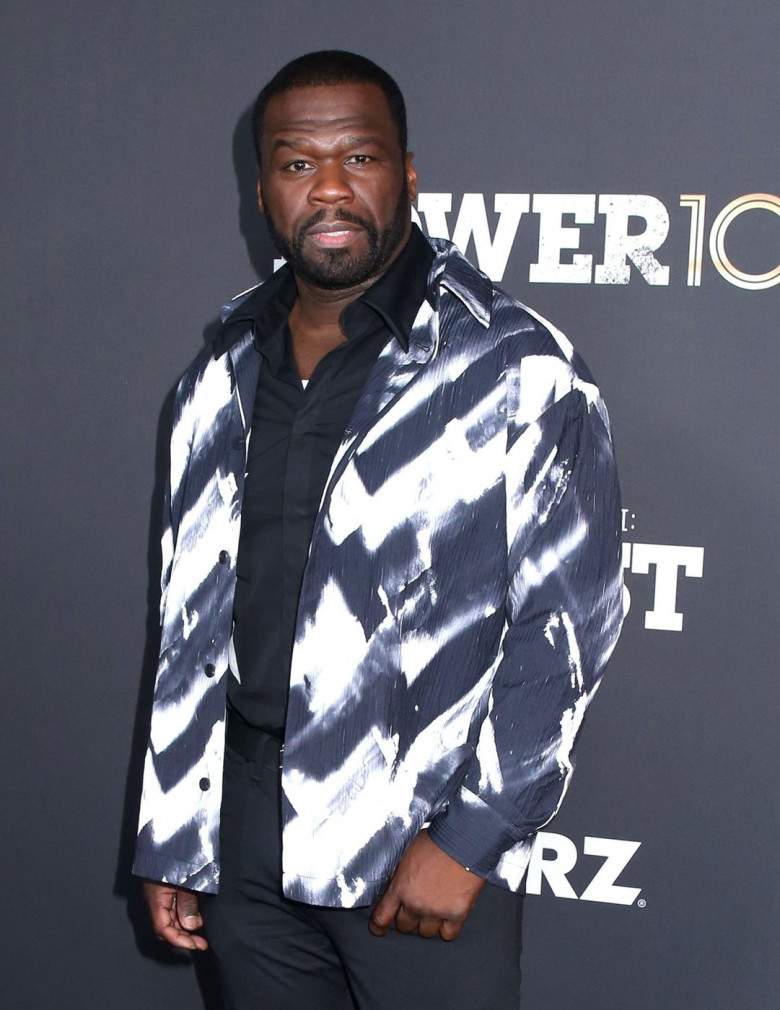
column 451, row 270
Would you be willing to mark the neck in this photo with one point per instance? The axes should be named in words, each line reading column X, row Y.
column 319, row 308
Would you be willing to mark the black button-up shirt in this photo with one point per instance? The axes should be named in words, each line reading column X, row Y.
column 296, row 431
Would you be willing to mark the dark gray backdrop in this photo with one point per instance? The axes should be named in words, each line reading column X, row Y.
column 127, row 220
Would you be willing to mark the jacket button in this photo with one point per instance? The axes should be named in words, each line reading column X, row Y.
column 204, row 784
column 209, row 669
column 224, row 557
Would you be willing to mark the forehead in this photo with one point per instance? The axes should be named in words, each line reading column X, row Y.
column 330, row 109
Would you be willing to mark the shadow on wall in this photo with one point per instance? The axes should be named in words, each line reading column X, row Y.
column 261, row 254
column 251, row 222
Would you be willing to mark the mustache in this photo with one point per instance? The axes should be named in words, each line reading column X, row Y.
column 339, row 215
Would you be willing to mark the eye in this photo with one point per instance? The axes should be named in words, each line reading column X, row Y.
column 359, row 159
column 297, row 166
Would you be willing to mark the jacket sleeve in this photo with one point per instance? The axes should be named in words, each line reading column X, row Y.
column 563, row 615
column 149, row 861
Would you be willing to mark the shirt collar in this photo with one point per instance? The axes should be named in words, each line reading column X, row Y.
column 396, row 296
column 263, row 308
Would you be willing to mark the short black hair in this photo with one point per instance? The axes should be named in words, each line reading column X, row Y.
column 330, row 66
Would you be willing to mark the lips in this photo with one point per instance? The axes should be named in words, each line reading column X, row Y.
column 333, row 234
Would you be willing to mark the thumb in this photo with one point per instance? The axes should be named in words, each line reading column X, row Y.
column 187, row 910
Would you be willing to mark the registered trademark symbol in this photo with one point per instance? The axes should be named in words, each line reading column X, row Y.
column 641, row 903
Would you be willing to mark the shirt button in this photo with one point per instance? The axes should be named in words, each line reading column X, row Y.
column 224, row 557
column 209, row 669
column 204, row 784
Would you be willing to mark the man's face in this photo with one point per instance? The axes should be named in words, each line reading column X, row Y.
column 334, row 187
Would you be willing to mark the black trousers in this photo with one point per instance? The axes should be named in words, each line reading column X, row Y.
column 275, row 954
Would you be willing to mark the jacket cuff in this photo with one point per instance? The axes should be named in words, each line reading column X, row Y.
column 471, row 831
column 155, row 866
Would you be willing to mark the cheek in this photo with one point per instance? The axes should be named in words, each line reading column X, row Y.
column 382, row 201
column 285, row 201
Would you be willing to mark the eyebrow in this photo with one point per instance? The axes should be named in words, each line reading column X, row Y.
column 350, row 139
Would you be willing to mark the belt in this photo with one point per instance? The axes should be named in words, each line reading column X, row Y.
column 253, row 744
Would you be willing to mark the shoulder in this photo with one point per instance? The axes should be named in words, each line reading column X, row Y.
column 237, row 317
column 193, row 375
column 494, row 317
column 535, row 359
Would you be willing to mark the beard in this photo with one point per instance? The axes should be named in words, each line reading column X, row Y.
column 341, row 268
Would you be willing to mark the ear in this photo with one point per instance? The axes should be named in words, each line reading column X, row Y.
column 411, row 176
column 260, row 197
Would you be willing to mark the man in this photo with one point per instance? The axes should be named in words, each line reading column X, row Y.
column 392, row 543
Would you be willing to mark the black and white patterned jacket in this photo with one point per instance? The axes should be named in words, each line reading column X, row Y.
column 462, row 596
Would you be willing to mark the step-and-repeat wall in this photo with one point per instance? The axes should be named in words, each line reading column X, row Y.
column 613, row 165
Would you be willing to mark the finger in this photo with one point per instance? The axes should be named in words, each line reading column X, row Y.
column 187, row 910
column 177, row 937
column 383, row 914
column 450, row 929
column 407, row 921
column 429, row 927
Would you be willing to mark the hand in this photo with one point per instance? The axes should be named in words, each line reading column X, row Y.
column 175, row 915
column 429, row 891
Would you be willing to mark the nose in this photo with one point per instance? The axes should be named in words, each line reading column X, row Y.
column 330, row 184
